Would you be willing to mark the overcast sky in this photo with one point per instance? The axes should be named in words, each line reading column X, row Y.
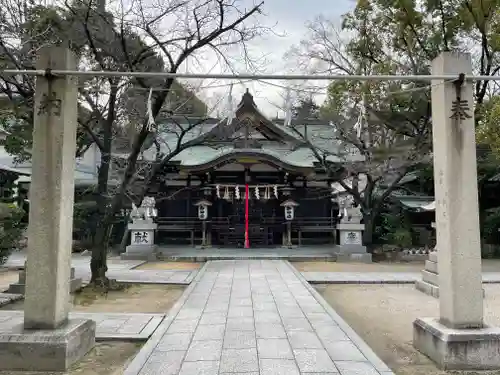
column 288, row 18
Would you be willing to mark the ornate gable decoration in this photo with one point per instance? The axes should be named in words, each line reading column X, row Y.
column 248, row 123
column 247, row 143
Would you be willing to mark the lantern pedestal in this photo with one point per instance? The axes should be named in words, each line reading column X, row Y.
column 351, row 247
column 206, row 236
column 287, row 237
column 289, row 211
column 142, row 240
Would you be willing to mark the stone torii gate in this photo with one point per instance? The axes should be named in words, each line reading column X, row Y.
column 458, row 339
column 48, row 340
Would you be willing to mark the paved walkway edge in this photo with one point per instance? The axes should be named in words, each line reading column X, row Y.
column 148, row 282
column 138, row 265
column 360, row 282
column 208, row 258
column 135, row 366
column 376, row 282
column 355, row 338
column 365, row 278
column 144, row 335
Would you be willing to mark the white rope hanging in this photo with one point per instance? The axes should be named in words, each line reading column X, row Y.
column 288, row 108
column 230, row 109
column 362, row 117
column 151, row 118
column 359, row 127
column 15, row 191
column 259, row 191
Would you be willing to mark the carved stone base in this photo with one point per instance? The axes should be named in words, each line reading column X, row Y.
column 20, row 286
column 457, row 349
column 354, row 257
column 140, row 252
column 46, row 350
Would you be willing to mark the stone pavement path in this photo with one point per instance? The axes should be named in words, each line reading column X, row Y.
column 255, row 318
column 180, row 277
column 17, row 259
column 109, row 326
column 121, row 270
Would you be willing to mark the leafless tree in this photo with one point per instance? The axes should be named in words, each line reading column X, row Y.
column 145, row 36
column 368, row 155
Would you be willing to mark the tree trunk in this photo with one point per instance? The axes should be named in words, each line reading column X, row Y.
column 98, row 266
column 98, row 261
column 123, row 242
column 369, row 221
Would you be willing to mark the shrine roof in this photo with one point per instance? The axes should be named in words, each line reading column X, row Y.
column 210, row 138
column 199, row 153
column 419, row 203
column 6, row 168
column 302, row 157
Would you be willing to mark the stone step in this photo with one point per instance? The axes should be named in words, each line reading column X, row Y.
column 431, row 266
column 433, row 257
column 19, row 288
column 354, row 257
column 430, row 277
column 429, row 289
column 22, row 275
column 16, row 289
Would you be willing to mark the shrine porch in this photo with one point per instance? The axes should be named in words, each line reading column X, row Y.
column 303, row 253
column 263, row 232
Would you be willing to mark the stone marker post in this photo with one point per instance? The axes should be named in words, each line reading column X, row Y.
column 49, row 341
column 458, row 339
column 51, row 195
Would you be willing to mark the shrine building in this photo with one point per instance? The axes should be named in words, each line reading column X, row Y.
column 276, row 165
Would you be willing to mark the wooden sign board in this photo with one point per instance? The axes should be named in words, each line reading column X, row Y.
column 247, row 161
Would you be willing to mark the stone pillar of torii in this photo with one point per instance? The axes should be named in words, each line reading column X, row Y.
column 458, row 339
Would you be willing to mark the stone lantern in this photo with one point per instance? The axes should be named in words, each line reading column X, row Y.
column 289, row 213
column 203, row 205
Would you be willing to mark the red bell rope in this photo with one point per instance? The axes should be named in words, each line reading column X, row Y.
column 247, row 242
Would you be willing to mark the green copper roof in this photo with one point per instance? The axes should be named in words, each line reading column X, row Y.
column 321, row 136
column 302, row 157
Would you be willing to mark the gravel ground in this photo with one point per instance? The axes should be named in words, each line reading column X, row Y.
column 358, row 267
column 383, row 316
column 139, row 298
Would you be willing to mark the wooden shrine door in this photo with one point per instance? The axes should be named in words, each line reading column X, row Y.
column 261, row 223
